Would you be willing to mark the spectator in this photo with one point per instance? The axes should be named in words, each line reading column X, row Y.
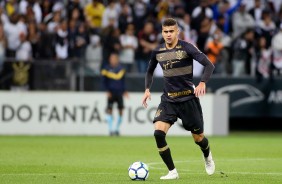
column 74, row 10
column 129, row 44
column 111, row 12
column 207, row 28
column 54, row 23
column 243, row 50
column 125, row 17
column 263, row 59
column 46, row 8
column 162, row 9
column 110, row 42
column 46, row 43
column 147, row 38
column 75, row 15
column 3, row 44
column 13, row 28
column 140, row 11
column 257, row 11
column 275, row 5
column 277, row 51
column 278, row 18
column 266, row 27
column 27, row 6
column 3, row 16
column 72, row 31
column 213, row 49
column 81, row 41
column 93, row 13
column 190, row 35
column 223, row 12
column 24, row 51
column 61, row 45
column 242, row 20
column 94, row 54
column 11, row 7
column 201, row 12
column 33, row 38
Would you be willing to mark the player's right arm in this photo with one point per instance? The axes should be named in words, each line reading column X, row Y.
column 149, row 79
column 146, row 96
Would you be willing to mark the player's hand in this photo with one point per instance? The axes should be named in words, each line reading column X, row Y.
column 147, row 95
column 200, row 90
column 109, row 94
column 126, row 95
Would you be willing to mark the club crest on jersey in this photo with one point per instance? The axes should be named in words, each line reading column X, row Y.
column 180, row 54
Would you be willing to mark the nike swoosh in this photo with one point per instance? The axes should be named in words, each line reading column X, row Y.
column 196, row 129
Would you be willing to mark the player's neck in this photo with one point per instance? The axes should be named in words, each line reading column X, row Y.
column 172, row 45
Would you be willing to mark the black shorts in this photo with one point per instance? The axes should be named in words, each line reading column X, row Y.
column 115, row 99
column 190, row 112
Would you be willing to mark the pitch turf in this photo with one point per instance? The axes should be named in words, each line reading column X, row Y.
column 240, row 158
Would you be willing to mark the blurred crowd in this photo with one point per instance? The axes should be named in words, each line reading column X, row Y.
column 241, row 37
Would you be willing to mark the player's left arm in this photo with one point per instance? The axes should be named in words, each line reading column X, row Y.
column 199, row 56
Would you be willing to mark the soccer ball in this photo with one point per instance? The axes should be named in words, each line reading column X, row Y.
column 138, row 171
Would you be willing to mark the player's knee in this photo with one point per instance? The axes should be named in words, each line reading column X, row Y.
column 160, row 138
column 159, row 134
column 198, row 137
column 109, row 111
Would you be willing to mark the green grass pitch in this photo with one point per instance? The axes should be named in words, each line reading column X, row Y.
column 241, row 157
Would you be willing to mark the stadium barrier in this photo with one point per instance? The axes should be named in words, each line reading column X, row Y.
column 83, row 113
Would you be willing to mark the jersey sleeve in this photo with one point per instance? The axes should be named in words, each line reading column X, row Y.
column 150, row 70
column 104, row 80
column 202, row 59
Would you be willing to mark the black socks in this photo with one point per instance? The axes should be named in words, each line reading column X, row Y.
column 164, row 150
column 205, row 147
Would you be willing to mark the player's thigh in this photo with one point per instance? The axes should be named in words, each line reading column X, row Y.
column 120, row 103
column 192, row 116
column 165, row 116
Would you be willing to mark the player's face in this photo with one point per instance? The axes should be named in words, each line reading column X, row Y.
column 170, row 34
column 114, row 60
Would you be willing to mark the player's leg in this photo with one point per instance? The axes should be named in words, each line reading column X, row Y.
column 203, row 143
column 162, row 126
column 120, row 113
column 192, row 119
column 161, row 129
column 109, row 115
column 199, row 137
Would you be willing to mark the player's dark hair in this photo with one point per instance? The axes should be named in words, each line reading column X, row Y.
column 169, row 22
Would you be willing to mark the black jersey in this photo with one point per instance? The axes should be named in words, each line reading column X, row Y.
column 177, row 65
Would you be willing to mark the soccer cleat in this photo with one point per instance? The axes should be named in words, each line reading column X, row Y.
column 209, row 164
column 172, row 175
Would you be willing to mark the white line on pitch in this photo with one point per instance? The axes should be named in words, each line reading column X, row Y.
column 221, row 160
column 55, row 174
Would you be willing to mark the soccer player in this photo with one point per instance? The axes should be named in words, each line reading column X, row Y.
column 180, row 98
column 113, row 78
